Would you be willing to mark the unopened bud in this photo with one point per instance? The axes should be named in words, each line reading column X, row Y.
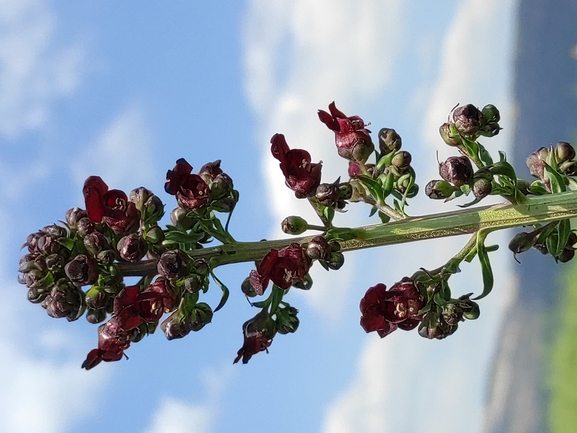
column 449, row 134
column 294, row 225
column 563, row 152
column 131, row 248
column 82, row 270
column 467, row 119
column 456, row 170
column 389, row 141
column 439, row 189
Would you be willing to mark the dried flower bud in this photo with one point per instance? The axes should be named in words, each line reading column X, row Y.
column 536, row 162
column 173, row 264
column 389, row 141
column 294, row 225
column 327, row 194
column 73, row 216
column 318, row 248
column 467, row 119
column 131, row 248
column 85, row 226
column 456, row 170
column 82, row 270
column 95, row 242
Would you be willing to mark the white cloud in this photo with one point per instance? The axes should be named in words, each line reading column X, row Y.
column 176, row 416
column 420, row 375
column 35, row 69
column 43, row 387
column 300, row 56
column 122, row 154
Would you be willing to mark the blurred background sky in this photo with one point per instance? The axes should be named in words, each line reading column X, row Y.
column 123, row 89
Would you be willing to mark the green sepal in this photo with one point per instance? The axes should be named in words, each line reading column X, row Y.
column 374, row 187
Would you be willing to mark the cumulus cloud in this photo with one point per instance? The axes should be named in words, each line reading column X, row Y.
column 176, row 416
column 35, row 68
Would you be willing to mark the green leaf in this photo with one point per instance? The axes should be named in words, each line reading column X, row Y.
column 484, row 155
column 225, row 292
column 556, row 181
column 485, row 265
column 374, row 187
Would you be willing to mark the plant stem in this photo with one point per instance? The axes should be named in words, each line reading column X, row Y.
column 540, row 209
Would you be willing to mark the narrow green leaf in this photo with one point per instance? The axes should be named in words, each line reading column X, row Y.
column 485, row 265
column 276, row 298
column 225, row 292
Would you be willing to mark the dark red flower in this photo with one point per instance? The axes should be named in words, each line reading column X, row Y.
column 300, row 174
column 351, row 137
column 191, row 190
column 284, row 267
column 258, row 334
column 132, row 307
column 385, row 310
column 110, row 205
column 112, row 342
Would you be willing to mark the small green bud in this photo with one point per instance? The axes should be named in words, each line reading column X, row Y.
column 449, row 134
column 439, row 189
column 294, row 225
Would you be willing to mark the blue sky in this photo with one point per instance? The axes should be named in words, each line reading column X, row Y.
column 123, row 89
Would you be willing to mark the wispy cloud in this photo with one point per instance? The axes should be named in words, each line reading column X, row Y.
column 300, row 56
column 121, row 154
column 176, row 416
column 35, row 68
column 407, row 383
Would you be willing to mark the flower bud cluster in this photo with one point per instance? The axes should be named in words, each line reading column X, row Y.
column 467, row 121
column 406, row 306
column 547, row 163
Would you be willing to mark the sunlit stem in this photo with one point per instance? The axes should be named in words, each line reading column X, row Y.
column 536, row 210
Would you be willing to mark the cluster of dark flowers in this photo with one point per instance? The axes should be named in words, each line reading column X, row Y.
column 78, row 268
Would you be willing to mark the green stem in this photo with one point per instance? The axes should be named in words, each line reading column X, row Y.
column 540, row 209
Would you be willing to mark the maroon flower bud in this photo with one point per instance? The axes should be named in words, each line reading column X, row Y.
column 439, row 189
column 327, row 194
column 294, row 225
column 131, row 248
column 302, row 176
column 318, row 248
column 467, row 119
column 82, row 270
column 64, row 300
column 186, row 319
column 351, row 137
column 456, row 170
column 173, row 264
column 73, row 216
column 449, row 134
column 95, row 242
column 95, row 316
column 85, row 226
column 97, row 298
column 258, row 334
column 389, row 141
column 284, row 267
